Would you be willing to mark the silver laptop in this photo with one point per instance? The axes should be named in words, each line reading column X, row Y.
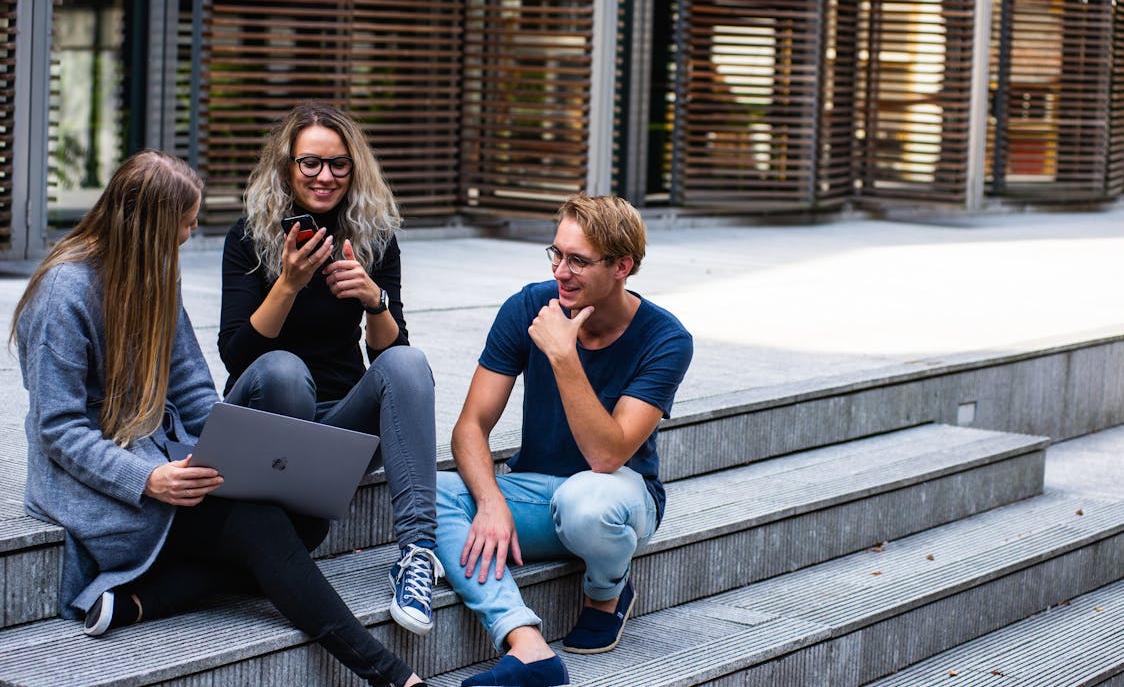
column 304, row 466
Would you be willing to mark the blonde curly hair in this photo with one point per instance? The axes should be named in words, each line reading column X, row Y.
column 369, row 216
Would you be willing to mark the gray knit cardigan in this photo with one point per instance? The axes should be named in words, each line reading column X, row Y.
column 76, row 477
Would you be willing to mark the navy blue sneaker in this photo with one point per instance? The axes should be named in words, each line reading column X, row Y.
column 598, row 631
column 511, row 672
column 412, row 579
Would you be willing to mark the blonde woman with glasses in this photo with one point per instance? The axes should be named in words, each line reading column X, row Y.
column 312, row 264
column 115, row 378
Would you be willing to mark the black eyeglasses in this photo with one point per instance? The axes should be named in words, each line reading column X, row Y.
column 576, row 263
column 310, row 165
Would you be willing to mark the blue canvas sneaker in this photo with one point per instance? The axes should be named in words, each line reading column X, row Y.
column 511, row 672
column 412, row 579
column 598, row 631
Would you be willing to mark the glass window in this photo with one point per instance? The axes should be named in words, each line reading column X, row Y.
column 87, row 137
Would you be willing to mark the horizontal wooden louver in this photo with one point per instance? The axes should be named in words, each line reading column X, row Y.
column 915, row 72
column 184, row 95
column 527, row 81
column 1050, row 106
column 1114, row 173
column 395, row 65
column 7, row 116
column 749, row 127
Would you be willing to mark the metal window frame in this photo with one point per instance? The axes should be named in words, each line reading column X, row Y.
column 160, row 76
column 636, row 93
column 29, row 135
column 978, row 108
column 599, row 173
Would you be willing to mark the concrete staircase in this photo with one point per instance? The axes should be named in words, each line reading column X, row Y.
column 770, row 566
column 1078, row 643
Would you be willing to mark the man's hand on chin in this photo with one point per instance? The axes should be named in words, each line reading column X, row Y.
column 555, row 334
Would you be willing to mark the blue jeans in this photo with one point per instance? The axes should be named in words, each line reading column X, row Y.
column 393, row 399
column 599, row 518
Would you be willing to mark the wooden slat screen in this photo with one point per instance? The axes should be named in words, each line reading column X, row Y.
column 1114, row 172
column 1052, row 141
column 395, row 65
column 915, row 72
column 750, row 121
column 7, row 116
column 527, row 79
column 183, row 79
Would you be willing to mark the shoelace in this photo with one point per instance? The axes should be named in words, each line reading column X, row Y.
column 422, row 570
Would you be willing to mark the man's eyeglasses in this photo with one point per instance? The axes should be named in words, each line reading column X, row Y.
column 576, row 263
column 310, row 165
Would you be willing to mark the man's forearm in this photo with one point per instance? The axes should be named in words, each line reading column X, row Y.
column 597, row 434
column 474, row 462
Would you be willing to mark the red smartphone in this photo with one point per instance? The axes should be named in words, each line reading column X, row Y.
column 305, row 233
column 308, row 227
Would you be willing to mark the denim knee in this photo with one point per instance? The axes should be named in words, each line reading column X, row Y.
column 589, row 509
column 281, row 383
column 580, row 518
column 404, row 366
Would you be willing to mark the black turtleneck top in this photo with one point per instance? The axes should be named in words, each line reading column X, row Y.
column 324, row 331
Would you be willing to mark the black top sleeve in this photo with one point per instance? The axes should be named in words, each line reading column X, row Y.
column 388, row 275
column 242, row 293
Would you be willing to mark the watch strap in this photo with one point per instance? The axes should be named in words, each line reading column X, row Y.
column 381, row 307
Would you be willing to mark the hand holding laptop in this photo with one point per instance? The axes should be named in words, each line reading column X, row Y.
column 180, row 484
column 303, row 466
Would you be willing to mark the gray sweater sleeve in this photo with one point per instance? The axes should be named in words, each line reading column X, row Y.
column 190, row 387
column 59, row 354
column 71, row 439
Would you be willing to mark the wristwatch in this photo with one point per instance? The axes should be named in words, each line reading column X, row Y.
column 381, row 307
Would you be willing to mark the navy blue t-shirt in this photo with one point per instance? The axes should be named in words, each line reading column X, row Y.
column 647, row 362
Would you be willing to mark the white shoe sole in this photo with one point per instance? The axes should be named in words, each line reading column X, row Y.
column 604, row 649
column 403, row 618
column 104, row 618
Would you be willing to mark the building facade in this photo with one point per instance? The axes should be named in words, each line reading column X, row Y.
column 501, row 108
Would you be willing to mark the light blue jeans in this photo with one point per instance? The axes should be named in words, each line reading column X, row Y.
column 599, row 518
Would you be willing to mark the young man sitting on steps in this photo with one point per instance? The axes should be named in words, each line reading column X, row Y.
column 600, row 366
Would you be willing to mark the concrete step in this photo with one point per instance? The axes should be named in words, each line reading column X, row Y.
column 1058, row 390
column 759, row 520
column 860, row 617
column 32, row 550
column 1079, row 643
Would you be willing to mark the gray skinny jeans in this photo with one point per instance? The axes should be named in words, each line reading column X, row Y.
column 393, row 399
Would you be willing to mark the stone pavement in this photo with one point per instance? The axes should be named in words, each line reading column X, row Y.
column 768, row 306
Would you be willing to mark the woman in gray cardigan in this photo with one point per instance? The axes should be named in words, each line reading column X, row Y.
column 114, row 373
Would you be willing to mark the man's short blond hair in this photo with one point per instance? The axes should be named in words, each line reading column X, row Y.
column 610, row 223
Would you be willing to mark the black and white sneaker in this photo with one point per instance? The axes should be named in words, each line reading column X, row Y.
column 100, row 615
column 109, row 612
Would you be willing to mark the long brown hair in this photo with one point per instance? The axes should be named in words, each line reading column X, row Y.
column 369, row 216
column 131, row 239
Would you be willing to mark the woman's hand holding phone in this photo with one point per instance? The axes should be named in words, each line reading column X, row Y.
column 298, row 264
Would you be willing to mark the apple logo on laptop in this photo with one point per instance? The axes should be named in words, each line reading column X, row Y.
column 280, row 464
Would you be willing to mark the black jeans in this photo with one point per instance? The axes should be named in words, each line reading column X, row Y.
column 238, row 546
